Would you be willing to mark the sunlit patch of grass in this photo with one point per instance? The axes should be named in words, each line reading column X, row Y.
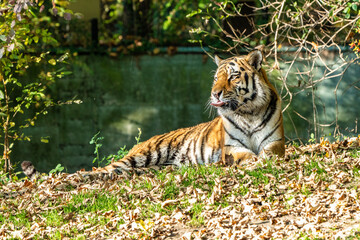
column 171, row 189
column 261, row 175
column 241, row 190
column 91, row 202
column 356, row 172
column 195, row 213
column 19, row 220
column 258, row 176
column 206, row 174
column 53, row 218
column 56, row 235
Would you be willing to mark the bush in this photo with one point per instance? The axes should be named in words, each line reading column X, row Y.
column 25, row 41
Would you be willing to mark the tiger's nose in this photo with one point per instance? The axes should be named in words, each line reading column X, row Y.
column 217, row 94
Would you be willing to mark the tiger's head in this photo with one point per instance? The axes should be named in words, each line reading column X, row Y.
column 240, row 84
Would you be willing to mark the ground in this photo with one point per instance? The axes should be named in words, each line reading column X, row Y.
column 311, row 193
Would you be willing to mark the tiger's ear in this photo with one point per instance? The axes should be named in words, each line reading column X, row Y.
column 217, row 60
column 255, row 59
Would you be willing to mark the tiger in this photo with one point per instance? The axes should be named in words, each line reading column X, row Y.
column 249, row 123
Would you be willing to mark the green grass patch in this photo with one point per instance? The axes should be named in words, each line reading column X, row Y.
column 195, row 213
column 19, row 220
column 91, row 202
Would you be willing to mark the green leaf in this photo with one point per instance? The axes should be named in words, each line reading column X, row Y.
column 193, row 13
column 354, row 6
column 66, row 73
column 1, row 95
column 58, row 168
column 3, row 38
column 52, row 61
column 36, row 39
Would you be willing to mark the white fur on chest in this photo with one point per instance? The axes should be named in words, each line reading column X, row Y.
column 250, row 133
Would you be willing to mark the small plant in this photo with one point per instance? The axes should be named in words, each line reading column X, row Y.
column 122, row 152
column 116, row 157
column 58, row 169
column 312, row 138
column 138, row 136
column 97, row 141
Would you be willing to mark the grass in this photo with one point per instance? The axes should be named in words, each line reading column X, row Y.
column 191, row 197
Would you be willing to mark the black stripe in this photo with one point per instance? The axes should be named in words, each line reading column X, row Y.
column 233, row 105
column 269, row 112
column 212, row 153
column 188, row 150
column 246, row 76
column 132, row 161
column 148, row 159
column 235, row 125
column 234, row 138
column 180, row 143
column 242, row 69
column 185, row 136
column 158, row 148
column 126, row 161
column 169, row 149
column 269, row 135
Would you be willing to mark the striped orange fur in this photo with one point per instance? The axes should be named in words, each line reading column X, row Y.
column 249, row 123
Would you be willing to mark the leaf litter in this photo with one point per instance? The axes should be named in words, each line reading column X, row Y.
column 313, row 192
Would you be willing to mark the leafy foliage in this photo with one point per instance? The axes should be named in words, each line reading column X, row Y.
column 22, row 35
column 141, row 26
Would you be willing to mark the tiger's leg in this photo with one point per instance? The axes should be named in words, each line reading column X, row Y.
column 236, row 155
column 274, row 148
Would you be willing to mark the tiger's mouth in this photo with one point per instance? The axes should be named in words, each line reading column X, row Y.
column 218, row 103
column 232, row 105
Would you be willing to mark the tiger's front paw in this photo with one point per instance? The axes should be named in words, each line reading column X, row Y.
column 238, row 158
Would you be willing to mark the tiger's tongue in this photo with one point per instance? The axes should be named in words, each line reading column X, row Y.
column 217, row 104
